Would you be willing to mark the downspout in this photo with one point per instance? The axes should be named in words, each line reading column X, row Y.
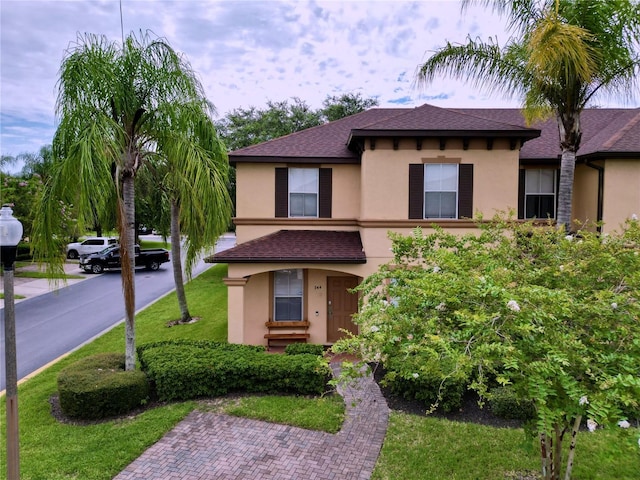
column 600, row 170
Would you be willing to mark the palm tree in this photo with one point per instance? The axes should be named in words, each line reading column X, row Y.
column 117, row 107
column 564, row 53
column 192, row 180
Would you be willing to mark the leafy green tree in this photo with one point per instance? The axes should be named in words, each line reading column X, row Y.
column 554, row 317
column 563, row 54
column 192, row 180
column 23, row 193
column 336, row 107
column 40, row 163
column 247, row 126
column 119, row 106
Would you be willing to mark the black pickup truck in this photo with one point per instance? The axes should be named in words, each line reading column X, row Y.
column 110, row 258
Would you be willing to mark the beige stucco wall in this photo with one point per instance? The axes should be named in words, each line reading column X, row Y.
column 621, row 192
column 385, row 175
column 255, row 190
column 585, row 194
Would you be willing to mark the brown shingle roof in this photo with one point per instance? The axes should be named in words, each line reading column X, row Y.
column 326, row 142
column 606, row 132
column 297, row 246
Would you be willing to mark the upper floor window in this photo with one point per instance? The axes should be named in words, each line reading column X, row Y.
column 440, row 190
column 303, row 192
column 540, row 193
column 288, row 287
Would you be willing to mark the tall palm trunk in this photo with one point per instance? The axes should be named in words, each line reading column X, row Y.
column 565, row 192
column 185, row 316
column 127, row 258
column 570, row 134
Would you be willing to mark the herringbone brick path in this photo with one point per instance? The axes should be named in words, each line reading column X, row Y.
column 208, row 446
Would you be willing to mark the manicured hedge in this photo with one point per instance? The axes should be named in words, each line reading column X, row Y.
column 181, row 370
column 298, row 348
column 99, row 387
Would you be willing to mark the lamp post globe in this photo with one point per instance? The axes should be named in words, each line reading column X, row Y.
column 10, row 235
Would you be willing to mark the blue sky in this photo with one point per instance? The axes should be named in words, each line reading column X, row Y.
column 245, row 52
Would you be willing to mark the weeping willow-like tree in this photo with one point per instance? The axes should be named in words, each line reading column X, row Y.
column 119, row 106
column 189, row 179
column 562, row 56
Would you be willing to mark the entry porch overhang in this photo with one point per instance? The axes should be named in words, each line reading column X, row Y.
column 297, row 246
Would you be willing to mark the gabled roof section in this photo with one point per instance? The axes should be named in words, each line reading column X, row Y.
column 430, row 121
column 324, row 143
column 297, row 246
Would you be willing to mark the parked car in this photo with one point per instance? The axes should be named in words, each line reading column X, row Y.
column 90, row 245
column 109, row 258
column 144, row 230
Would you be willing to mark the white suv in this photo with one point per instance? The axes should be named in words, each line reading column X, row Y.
column 90, row 245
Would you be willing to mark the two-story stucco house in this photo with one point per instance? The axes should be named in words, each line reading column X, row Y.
column 314, row 208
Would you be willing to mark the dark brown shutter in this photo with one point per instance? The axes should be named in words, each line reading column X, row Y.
column 416, row 191
column 282, row 192
column 465, row 190
column 521, row 183
column 324, row 201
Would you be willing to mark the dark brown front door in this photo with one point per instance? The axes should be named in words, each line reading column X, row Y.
column 341, row 304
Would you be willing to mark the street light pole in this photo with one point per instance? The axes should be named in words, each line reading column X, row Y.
column 10, row 235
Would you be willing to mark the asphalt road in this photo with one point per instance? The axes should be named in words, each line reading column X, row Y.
column 50, row 325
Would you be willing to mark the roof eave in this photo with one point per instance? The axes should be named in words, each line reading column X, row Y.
column 361, row 134
column 287, row 260
column 235, row 159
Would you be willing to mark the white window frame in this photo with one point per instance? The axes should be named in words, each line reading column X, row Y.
column 293, row 190
column 429, row 166
column 537, row 188
column 299, row 273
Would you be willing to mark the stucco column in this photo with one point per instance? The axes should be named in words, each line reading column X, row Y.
column 235, row 309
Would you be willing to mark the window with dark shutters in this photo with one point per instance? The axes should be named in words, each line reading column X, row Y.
column 325, row 192
column 417, row 191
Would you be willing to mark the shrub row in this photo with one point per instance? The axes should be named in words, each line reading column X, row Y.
column 181, row 370
column 98, row 387
column 298, row 348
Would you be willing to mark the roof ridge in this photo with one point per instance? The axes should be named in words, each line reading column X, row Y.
column 622, row 131
column 453, row 111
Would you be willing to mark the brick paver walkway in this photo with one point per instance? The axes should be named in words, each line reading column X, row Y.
column 214, row 446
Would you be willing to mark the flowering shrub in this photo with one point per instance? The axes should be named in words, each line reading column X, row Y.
column 553, row 316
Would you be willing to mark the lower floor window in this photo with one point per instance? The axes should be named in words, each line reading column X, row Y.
column 288, row 290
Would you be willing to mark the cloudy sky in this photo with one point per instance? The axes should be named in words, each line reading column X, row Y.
column 245, row 52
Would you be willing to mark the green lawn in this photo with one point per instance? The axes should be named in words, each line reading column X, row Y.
column 415, row 447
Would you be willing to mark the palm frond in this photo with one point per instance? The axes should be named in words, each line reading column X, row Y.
column 483, row 65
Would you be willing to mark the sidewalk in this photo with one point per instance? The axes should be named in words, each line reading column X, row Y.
column 32, row 287
column 208, row 446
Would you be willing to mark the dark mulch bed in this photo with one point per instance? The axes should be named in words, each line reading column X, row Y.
column 469, row 412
